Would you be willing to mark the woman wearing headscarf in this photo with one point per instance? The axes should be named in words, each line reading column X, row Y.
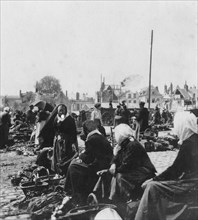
column 60, row 130
column 176, row 181
column 130, row 166
column 82, row 172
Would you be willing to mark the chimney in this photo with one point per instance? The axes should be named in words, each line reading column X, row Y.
column 165, row 89
column 171, row 88
column 66, row 94
column 186, row 86
column 77, row 96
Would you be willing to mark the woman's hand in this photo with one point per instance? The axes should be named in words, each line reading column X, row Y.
column 112, row 169
column 144, row 184
column 116, row 149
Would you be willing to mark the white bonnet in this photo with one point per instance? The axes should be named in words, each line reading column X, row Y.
column 122, row 132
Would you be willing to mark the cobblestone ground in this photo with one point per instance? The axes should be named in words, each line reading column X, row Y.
column 10, row 194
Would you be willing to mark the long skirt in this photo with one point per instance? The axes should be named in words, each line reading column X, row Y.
column 127, row 186
column 80, row 179
column 158, row 195
column 62, row 154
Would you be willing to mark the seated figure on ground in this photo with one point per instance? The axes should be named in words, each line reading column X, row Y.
column 174, row 184
column 129, row 168
column 82, row 172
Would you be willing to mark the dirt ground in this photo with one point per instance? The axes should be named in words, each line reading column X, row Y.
column 11, row 164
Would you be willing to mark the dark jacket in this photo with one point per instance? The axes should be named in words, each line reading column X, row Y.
column 98, row 152
column 67, row 129
column 186, row 162
column 142, row 118
column 131, row 157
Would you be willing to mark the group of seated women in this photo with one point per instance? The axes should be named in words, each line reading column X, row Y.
column 130, row 173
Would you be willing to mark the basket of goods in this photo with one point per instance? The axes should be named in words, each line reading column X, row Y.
column 150, row 134
column 41, row 174
column 32, row 189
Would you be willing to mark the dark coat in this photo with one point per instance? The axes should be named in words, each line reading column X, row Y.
column 81, row 176
column 186, row 162
column 30, row 117
column 142, row 118
column 98, row 152
column 65, row 136
column 131, row 157
column 133, row 167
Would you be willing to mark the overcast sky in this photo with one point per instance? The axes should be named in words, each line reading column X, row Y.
column 77, row 41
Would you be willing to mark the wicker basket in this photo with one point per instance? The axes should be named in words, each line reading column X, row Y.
column 31, row 189
column 49, row 178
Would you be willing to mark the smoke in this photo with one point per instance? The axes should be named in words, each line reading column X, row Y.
column 134, row 82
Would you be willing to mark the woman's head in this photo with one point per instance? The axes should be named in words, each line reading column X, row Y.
column 185, row 124
column 88, row 126
column 62, row 110
column 97, row 105
column 122, row 132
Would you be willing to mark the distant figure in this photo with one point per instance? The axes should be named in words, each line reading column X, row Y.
column 157, row 116
column 164, row 116
column 5, row 123
column 110, row 104
column 125, row 113
column 83, row 116
column 96, row 114
column 31, row 116
column 118, row 110
column 142, row 119
column 118, row 117
column 169, row 117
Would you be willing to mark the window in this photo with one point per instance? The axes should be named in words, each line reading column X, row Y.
column 129, row 96
column 134, row 101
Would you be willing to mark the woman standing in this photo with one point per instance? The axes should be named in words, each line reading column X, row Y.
column 65, row 140
column 60, row 131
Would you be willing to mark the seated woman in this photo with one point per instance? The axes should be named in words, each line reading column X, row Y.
column 82, row 172
column 176, row 181
column 130, row 166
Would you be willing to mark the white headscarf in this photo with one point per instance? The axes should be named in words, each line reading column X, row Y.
column 107, row 214
column 185, row 125
column 122, row 132
column 6, row 109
